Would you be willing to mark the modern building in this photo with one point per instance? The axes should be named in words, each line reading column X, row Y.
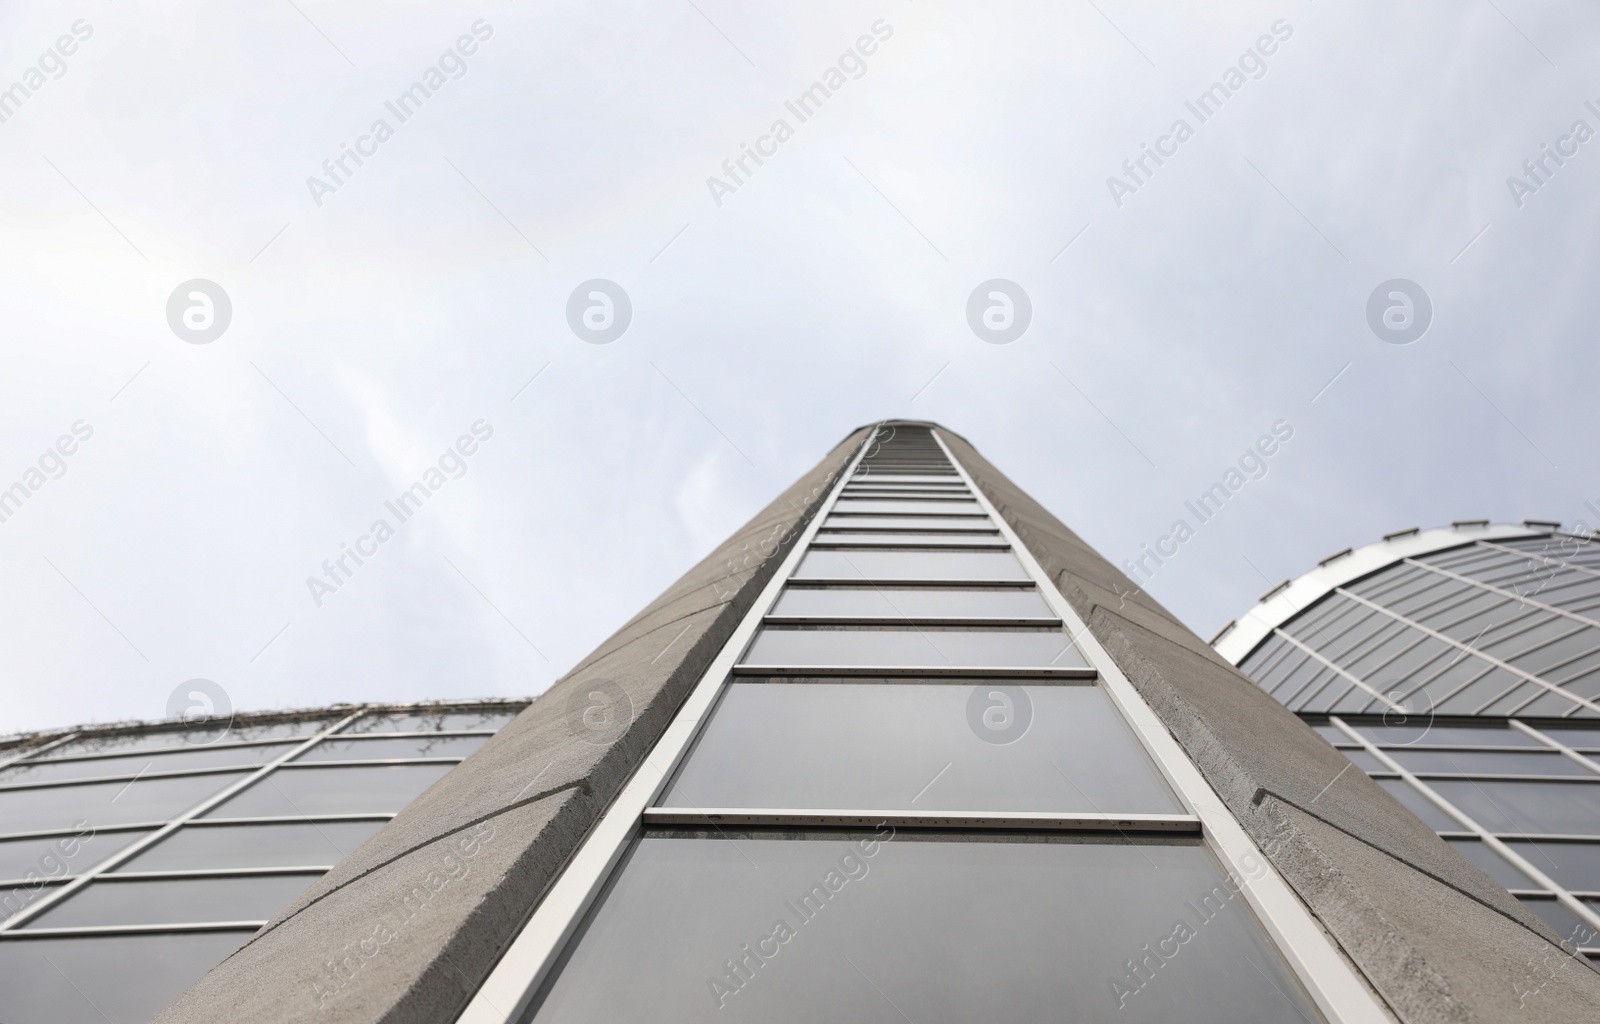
column 135, row 858
column 902, row 748
column 1459, row 668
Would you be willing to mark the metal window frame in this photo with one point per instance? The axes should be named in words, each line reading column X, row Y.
column 1584, row 912
column 138, row 846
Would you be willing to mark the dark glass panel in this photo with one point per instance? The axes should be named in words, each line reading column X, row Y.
column 974, row 523
column 916, row 746
column 1418, row 731
column 1420, row 805
column 914, row 648
column 188, row 739
column 61, row 855
column 1573, row 866
column 1562, row 808
column 936, row 932
column 933, row 602
column 53, row 808
column 1487, row 762
column 1492, row 864
column 910, row 565
column 124, row 979
column 174, row 901
column 921, row 507
column 295, row 792
column 450, row 721
column 307, row 844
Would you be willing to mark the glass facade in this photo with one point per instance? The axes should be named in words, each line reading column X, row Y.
column 1459, row 674
column 132, row 861
column 912, row 797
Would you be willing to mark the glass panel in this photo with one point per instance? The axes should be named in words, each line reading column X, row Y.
column 907, row 508
column 1573, row 866
column 60, row 808
column 1487, row 762
column 391, row 747
column 915, row 746
column 1563, row 808
column 933, row 540
column 187, row 739
column 947, row 931
column 124, row 979
column 296, row 792
column 174, row 901
column 1420, row 732
column 1563, row 921
column 977, row 523
column 1365, row 761
column 868, row 475
column 1581, row 737
column 226, row 754
column 914, row 648
column 1419, row 805
column 910, row 565
column 1331, row 734
column 61, row 855
column 289, row 845
column 452, row 721
column 1492, row 864
column 19, row 896
column 933, row 602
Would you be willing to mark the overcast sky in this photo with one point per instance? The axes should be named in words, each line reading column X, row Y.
column 376, row 317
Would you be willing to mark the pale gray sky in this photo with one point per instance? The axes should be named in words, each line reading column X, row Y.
column 827, row 291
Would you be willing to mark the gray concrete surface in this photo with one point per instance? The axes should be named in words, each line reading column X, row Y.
column 405, row 929
column 1436, row 938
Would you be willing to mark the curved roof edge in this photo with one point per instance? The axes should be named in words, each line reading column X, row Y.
column 16, row 743
column 1288, row 599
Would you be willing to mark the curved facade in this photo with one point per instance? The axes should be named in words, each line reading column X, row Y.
column 1460, row 669
column 133, row 859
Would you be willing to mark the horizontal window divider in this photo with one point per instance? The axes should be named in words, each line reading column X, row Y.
column 908, row 622
column 855, row 545
column 176, row 773
column 849, row 513
column 1166, row 824
column 903, row 624
column 1481, row 776
column 34, row 883
column 351, row 762
column 56, row 833
column 904, row 531
column 1538, row 893
column 132, row 929
column 1459, row 749
column 181, row 873
column 1087, row 675
column 892, row 584
column 1532, row 837
column 160, row 751
column 296, row 819
column 430, row 734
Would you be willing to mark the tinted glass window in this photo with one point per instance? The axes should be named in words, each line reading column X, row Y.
column 1420, row 805
column 906, row 540
column 290, row 793
column 975, row 524
column 933, row 602
column 1563, row 921
column 310, row 844
column 915, row 746
column 61, row 855
column 398, row 746
column 920, row 507
column 1563, row 808
column 1491, row 863
column 910, row 565
column 172, row 901
column 1365, row 761
column 1573, row 736
column 930, row 648
column 144, row 763
column 106, row 803
column 124, row 979
column 1574, row 866
column 1488, row 762
column 931, row 932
